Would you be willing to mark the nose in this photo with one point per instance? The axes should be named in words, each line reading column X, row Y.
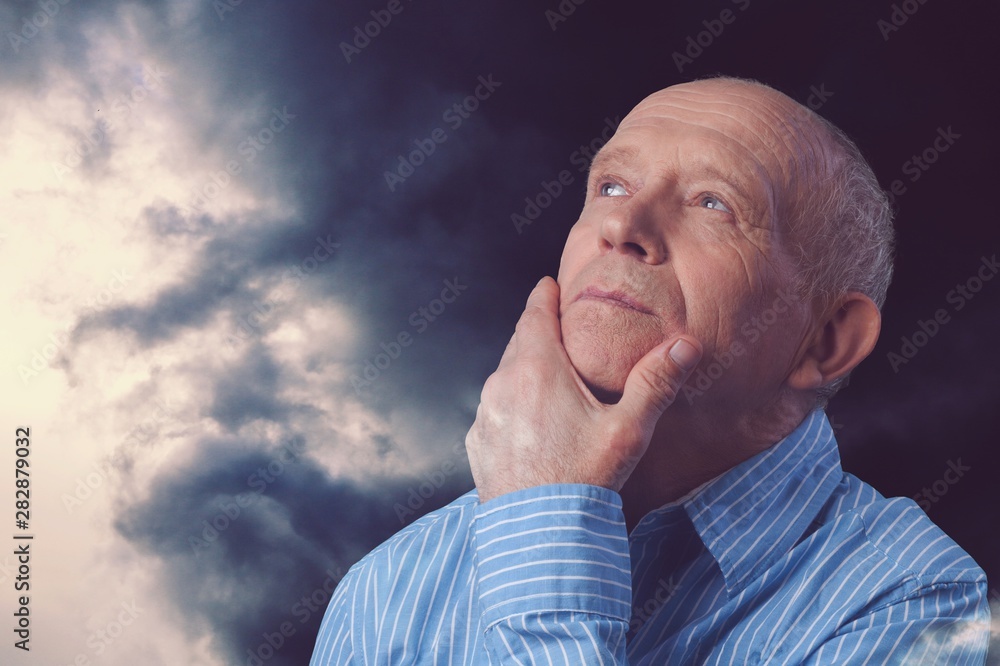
column 632, row 229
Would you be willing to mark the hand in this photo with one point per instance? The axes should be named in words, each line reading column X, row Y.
column 538, row 423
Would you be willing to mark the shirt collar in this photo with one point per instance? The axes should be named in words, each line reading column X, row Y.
column 752, row 514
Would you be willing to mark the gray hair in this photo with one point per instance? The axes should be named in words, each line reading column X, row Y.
column 841, row 237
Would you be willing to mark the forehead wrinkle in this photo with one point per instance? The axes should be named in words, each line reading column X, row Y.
column 606, row 157
column 759, row 200
column 750, row 142
column 750, row 181
column 801, row 152
column 806, row 144
column 780, row 109
column 806, row 148
column 805, row 135
column 752, row 134
column 761, row 194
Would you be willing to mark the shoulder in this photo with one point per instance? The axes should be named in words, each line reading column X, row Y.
column 444, row 528
column 396, row 580
column 901, row 534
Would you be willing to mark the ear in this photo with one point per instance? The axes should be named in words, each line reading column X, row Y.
column 839, row 344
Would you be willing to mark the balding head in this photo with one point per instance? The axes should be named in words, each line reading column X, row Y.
column 783, row 137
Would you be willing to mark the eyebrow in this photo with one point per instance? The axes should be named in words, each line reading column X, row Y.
column 607, row 157
column 702, row 168
column 710, row 171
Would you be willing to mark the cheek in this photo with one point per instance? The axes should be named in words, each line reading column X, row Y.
column 721, row 295
column 574, row 254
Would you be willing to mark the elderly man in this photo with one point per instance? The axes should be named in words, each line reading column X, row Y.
column 656, row 479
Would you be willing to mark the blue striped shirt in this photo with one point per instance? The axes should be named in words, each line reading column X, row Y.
column 783, row 559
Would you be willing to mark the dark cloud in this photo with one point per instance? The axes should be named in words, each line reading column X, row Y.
column 249, row 529
column 247, row 392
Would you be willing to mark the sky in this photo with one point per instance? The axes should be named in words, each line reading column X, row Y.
column 257, row 264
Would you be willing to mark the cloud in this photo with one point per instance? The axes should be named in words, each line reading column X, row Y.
column 220, row 284
column 254, row 534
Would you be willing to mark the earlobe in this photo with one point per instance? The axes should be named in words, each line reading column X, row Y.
column 844, row 340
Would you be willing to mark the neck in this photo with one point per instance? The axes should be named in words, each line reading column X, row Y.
column 691, row 447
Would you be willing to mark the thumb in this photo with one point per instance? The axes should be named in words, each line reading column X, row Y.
column 656, row 379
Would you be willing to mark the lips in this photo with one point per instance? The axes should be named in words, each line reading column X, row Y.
column 618, row 298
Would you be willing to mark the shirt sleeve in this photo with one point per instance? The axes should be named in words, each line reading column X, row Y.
column 553, row 575
column 334, row 643
column 943, row 623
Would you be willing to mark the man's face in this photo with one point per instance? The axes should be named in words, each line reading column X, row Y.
column 684, row 219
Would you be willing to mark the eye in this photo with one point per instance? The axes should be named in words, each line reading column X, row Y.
column 711, row 201
column 611, row 190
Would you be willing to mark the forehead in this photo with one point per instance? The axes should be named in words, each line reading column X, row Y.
column 750, row 133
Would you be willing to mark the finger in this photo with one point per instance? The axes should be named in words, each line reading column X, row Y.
column 538, row 326
column 537, row 330
column 656, row 380
column 509, row 352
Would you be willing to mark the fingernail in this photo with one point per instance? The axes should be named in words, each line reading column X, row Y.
column 685, row 354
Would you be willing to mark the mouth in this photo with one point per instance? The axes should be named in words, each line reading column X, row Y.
column 616, row 298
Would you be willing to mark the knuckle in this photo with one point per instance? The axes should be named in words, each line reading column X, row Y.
column 491, row 389
column 621, row 435
column 530, row 377
column 528, row 318
column 515, row 382
column 665, row 387
column 666, row 398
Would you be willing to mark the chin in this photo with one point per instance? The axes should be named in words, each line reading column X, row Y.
column 603, row 363
column 606, row 389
